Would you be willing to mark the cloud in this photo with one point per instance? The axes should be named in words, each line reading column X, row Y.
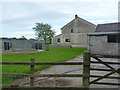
column 49, row 1
column 57, row 29
column 27, row 34
column 24, row 32
column 19, row 17
column 32, row 16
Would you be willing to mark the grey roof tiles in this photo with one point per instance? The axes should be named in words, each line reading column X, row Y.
column 109, row 27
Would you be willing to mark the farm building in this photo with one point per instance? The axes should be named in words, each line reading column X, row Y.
column 106, row 40
column 14, row 44
column 74, row 33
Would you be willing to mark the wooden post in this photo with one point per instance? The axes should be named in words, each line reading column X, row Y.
column 47, row 47
column 32, row 72
column 86, row 70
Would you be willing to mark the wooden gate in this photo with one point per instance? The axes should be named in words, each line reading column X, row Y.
column 110, row 71
column 86, row 81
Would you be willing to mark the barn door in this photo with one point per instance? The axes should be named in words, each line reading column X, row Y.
column 6, row 46
column 38, row 45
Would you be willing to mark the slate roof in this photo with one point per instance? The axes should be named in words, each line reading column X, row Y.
column 109, row 27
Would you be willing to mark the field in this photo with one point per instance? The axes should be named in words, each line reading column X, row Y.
column 53, row 55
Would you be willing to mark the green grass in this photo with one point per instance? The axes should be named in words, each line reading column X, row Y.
column 53, row 55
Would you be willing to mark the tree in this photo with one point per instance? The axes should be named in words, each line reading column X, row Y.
column 44, row 32
column 14, row 38
column 22, row 38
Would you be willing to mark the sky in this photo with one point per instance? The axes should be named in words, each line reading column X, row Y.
column 17, row 18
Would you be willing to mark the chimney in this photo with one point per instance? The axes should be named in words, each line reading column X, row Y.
column 76, row 16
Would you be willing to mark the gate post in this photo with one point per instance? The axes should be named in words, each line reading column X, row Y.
column 32, row 72
column 86, row 69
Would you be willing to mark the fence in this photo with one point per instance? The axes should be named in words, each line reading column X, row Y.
column 86, row 82
column 110, row 71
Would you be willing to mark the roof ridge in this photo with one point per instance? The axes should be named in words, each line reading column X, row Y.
column 110, row 23
column 80, row 19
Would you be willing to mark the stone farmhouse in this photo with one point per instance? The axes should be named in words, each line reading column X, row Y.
column 74, row 34
column 14, row 44
column 105, row 40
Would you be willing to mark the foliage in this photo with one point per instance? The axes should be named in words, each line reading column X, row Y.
column 53, row 55
column 21, row 38
column 44, row 32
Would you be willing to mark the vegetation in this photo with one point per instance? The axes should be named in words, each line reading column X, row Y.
column 53, row 55
column 21, row 38
column 44, row 32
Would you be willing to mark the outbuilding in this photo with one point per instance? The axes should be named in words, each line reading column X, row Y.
column 105, row 40
column 14, row 44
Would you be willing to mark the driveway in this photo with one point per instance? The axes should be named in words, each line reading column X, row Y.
column 69, row 81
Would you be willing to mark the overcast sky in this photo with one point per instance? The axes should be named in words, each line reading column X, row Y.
column 18, row 18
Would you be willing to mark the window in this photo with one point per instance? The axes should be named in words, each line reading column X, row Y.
column 71, row 30
column 58, row 40
column 67, row 40
column 115, row 38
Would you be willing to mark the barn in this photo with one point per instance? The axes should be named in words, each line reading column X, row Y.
column 105, row 40
column 14, row 44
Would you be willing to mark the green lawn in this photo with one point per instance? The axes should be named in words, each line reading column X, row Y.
column 53, row 55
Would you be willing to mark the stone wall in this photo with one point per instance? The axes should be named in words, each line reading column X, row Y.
column 76, row 39
column 98, row 44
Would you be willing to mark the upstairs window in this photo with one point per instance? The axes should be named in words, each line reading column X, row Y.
column 114, row 38
column 67, row 40
column 71, row 30
column 58, row 40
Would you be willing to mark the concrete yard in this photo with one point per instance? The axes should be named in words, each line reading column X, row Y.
column 20, row 51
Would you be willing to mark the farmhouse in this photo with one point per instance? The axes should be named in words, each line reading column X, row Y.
column 74, row 33
column 106, row 39
column 14, row 44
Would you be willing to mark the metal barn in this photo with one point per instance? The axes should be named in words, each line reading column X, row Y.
column 14, row 44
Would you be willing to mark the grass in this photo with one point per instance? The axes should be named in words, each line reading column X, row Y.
column 53, row 55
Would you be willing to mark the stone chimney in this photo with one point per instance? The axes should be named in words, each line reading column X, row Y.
column 76, row 16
